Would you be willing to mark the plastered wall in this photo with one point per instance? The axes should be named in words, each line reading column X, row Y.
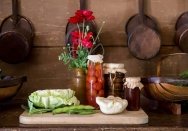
column 49, row 18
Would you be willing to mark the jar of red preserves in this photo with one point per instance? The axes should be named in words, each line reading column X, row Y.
column 94, row 79
column 132, row 93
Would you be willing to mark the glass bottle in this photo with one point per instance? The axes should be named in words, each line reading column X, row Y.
column 94, row 79
column 132, row 93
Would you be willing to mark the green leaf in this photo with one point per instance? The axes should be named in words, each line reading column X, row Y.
column 184, row 74
column 50, row 99
column 79, row 62
column 75, row 109
column 32, row 110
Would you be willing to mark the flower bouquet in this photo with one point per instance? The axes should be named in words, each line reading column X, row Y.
column 81, row 39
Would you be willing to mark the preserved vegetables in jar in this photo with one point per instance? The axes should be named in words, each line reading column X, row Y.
column 132, row 93
column 94, row 79
column 114, row 74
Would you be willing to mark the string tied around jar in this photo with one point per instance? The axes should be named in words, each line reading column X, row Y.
column 112, row 80
column 113, row 69
column 114, row 73
column 133, row 82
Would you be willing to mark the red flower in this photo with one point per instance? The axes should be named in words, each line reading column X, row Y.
column 89, row 35
column 90, row 18
column 76, row 34
column 87, row 40
column 87, row 14
column 75, row 42
column 86, row 43
column 75, row 19
column 81, row 15
column 84, row 39
column 74, row 50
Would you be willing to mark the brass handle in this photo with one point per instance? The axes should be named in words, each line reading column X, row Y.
column 164, row 57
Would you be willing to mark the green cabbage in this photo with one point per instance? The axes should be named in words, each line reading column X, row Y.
column 51, row 99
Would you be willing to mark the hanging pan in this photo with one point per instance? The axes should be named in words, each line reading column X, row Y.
column 134, row 21
column 181, row 35
column 16, row 37
column 143, row 40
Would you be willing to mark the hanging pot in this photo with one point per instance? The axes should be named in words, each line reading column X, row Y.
column 134, row 21
column 181, row 35
column 143, row 39
column 182, row 20
column 16, row 37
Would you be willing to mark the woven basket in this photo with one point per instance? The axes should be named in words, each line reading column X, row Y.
column 171, row 89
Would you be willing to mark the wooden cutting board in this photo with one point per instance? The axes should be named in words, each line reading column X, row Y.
column 126, row 117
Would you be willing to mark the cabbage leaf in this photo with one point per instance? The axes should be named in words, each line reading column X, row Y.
column 51, row 99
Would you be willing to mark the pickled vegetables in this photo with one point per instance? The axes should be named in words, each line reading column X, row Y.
column 94, row 82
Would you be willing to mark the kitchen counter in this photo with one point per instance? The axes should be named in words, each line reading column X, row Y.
column 158, row 120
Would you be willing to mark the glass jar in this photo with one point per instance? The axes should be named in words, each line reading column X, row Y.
column 114, row 74
column 94, row 80
column 132, row 93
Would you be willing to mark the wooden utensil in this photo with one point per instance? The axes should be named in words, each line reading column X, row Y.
column 182, row 19
column 16, row 37
column 134, row 21
column 181, row 35
column 143, row 42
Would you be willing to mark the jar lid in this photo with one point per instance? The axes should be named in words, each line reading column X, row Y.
column 95, row 58
column 107, row 71
column 113, row 68
column 133, row 79
column 133, row 82
column 114, row 65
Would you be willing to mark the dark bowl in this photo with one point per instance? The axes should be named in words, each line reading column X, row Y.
column 10, row 87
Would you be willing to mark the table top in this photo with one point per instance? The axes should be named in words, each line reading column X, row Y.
column 158, row 120
column 126, row 117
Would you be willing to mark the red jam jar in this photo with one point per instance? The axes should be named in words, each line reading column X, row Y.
column 132, row 93
column 94, row 79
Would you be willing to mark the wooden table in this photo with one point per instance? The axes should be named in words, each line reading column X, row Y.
column 158, row 120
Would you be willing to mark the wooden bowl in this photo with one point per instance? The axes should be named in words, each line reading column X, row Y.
column 168, row 89
column 10, row 87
